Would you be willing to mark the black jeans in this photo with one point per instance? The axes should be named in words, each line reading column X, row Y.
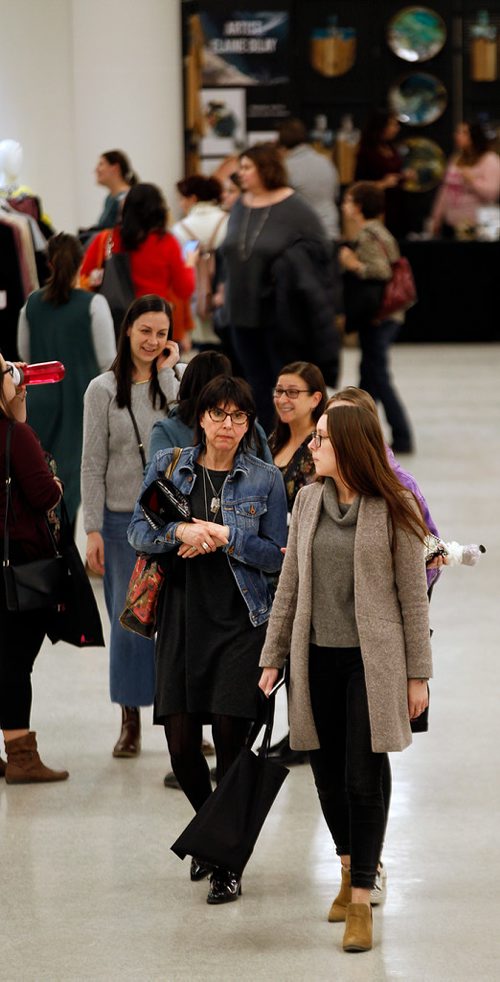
column 348, row 774
column 375, row 378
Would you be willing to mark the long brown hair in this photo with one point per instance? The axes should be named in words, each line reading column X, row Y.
column 123, row 365
column 357, row 439
column 65, row 255
column 313, row 377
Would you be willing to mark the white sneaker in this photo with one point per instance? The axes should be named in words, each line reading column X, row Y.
column 379, row 892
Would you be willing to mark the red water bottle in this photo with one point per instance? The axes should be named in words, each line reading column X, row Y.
column 42, row 372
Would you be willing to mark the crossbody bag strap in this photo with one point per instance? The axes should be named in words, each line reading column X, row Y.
column 211, row 243
column 8, row 441
column 138, row 437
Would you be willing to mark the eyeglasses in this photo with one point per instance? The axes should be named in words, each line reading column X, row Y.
column 289, row 393
column 238, row 417
column 9, row 371
column 317, row 438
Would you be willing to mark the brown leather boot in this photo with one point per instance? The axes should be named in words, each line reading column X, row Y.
column 129, row 741
column 24, row 765
column 3, row 765
column 338, row 909
column 358, row 934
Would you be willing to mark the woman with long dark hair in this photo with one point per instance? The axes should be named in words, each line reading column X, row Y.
column 63, row 323
column 156, row 263
column 471, row 181
column 299, row 399
column 34, row 491
column 121, row 407
column 351, row 609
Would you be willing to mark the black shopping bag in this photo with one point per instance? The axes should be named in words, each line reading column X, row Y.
column 227, row 826
column 76, row 620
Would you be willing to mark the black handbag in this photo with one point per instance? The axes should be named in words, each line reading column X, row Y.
column 227, row 826
column 117, row 286
column 36, row 585
column 162, row 502
column 76, row 620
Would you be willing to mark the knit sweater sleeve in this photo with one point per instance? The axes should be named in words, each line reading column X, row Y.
column 30, row 470
column 103, row 333
column 95, row 453
column 23, row 335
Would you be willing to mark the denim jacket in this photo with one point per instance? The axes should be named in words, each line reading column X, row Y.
column 253, row 505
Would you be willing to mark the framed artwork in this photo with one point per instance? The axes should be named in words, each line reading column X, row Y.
column 416, row 33
column 224, row 120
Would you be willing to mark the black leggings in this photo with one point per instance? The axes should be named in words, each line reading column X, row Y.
column 184, row 735
column 349, row 776
column 21, row 637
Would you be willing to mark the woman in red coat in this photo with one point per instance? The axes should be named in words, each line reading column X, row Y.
column 156, row 263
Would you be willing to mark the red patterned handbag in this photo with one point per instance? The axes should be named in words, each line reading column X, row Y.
column 400, row 292
column 141, row 602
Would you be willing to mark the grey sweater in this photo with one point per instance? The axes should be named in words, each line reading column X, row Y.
column 333, row 621
column 112, row 470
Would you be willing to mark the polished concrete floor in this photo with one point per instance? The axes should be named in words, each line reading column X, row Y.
column 90, row 889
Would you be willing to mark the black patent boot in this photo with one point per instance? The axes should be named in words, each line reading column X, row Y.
column 225, row 887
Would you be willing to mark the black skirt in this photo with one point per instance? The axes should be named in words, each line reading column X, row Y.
column 207, row 650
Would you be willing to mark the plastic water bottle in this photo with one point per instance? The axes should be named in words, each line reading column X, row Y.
column 42, row 373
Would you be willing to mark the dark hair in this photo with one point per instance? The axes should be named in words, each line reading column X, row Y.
column 358, row 442
column 479, row 144
column 292, row 133
column 200, row 187
column 201, row 369
column 120, row 158
column 313, row 377
column 270, row 166
column 122, row 365
column 220, row 392
column 4, row 406
column 64, row 254
column 369, row 198
column 372, row 132
column 144, row 211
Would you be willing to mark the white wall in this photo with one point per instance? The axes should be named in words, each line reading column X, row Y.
column 78, row 77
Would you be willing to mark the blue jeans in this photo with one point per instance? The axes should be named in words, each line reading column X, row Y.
column 375, row 378
column 131, row 658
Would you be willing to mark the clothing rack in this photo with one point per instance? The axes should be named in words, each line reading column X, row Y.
column 23, row 266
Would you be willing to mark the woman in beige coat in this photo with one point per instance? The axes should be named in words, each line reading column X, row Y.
column 352, row 610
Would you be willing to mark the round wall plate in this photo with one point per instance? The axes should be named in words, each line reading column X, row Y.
column 426, row 162
column 418, row 99
column 416, row 33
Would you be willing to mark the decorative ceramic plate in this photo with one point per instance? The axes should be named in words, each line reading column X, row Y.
column 427, row 161
column 418, row 99
column 416, row 33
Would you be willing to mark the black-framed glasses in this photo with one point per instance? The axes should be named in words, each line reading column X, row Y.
column 8, row 371
column 292, row 393
column 317, row 438
column 238, row 417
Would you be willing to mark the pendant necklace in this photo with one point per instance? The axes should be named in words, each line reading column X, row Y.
column 246, row 244
column 215, row 500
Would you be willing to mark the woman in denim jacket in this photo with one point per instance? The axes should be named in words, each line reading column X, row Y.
column 217, row 595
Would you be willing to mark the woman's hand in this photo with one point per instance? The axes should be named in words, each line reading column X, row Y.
column 218, row 532
column 95, row 552
column 348, row 259
column 418, row 697
column 389, row 181
column 437, row 562
column 196, row 539
column 268, row 680
column 169, row 357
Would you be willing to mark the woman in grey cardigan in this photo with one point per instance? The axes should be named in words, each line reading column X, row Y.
column 352, row 609
column 120, row 409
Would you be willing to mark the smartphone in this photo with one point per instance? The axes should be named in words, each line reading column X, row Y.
column 190, row 246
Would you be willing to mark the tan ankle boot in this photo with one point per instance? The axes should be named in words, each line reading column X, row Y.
column 358, row 934
column 339, row 906
column 129, row 741
column 24, row 765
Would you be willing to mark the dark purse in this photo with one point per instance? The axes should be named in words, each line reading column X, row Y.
column 76, row 619
column 35, row 585
column 226, row 828
column 117, row 286
column 399, row 293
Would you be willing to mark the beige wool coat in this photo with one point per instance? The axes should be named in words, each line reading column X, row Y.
column 392, row 617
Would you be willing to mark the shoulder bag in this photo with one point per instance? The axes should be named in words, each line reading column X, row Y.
column 400, row 292
column 34, row 585
column 117, row 286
